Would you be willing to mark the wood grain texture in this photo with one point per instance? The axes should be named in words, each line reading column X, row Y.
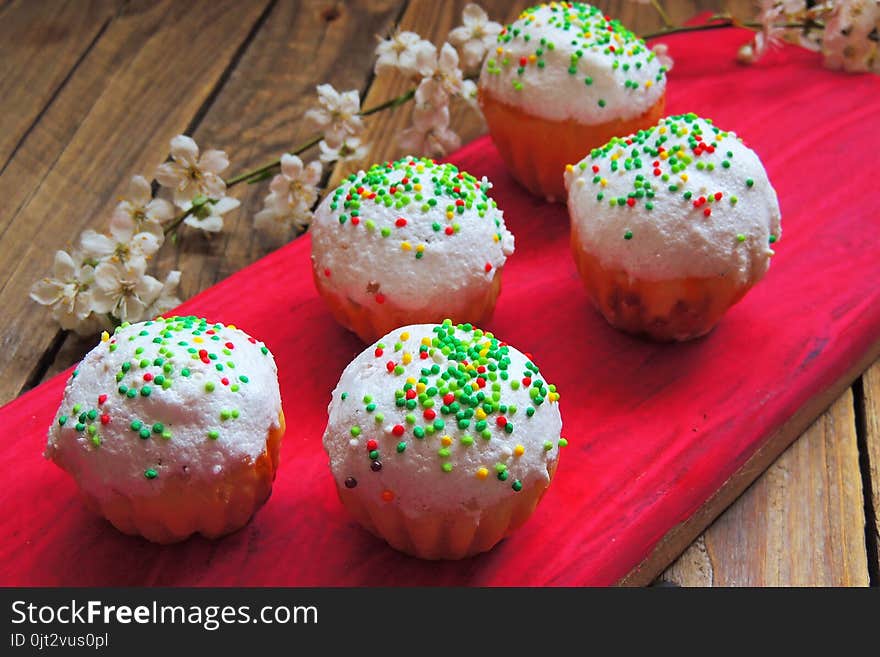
column 870, row 411
column 41, row 42
column 142, row 83
column 799, row 524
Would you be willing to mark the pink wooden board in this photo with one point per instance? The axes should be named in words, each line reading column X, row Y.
column 654, row 430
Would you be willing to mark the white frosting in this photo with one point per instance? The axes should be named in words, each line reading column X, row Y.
column 357, row 260
column 669, row 236
column 624, row 82
column 416, row 476
column 184, row 408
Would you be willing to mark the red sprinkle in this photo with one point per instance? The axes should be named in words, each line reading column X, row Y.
column 718, row 196
column 429, row 414
column 400, row 223
column 398, row 430
column 102, row 399
column 224, row 381
column 252, row 340
column 229, row 345
column 595, row 168
column 657, row 172
column 380, row 298
column 379, row 351
column 389, row 366
column 630, row 201
column 523, row 61
column 327, row 273
column 527, row 381
column 448, row 398
column 481, row 382
column 105, row 419
column 501, row 421
column 371, row 445
column 148, row 377
column 449, row 230
column 355, row 221
column 410, row 394
column 203, row 354
column 481, row 369
column 423, row 355
column 707, row 211
column 488, row 267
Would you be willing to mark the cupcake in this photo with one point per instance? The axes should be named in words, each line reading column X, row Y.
column 409, row 242
column 172, row 427
column 671, row 226
column 563, row 80
column 442, row 439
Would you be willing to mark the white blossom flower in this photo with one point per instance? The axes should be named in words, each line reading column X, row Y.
column 140, row 210
column 124, row 290
column 190, row 175
column 475, row 37
column 122, row 244
column 209, row 216
column 746, row 53
column 337, row 114
column 350, row 150
column 292, row 194
column 441, row 76
column 430, row 133
column 398, row 52
column 847, row 42
column 167, row 298
column 68, row 290
column 662, row 52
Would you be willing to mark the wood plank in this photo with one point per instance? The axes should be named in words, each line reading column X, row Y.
column 41, row 42
column 800, row 524
column 271, row 90
column 142, row 83
column 870, row 412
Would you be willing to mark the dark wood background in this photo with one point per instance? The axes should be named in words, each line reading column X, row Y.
column 91, row 91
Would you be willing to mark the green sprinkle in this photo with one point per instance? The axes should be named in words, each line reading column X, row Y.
column 213, row 434
column 446, row 467
column 150, row 473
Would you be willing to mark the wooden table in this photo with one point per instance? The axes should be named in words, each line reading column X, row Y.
column 92, row 91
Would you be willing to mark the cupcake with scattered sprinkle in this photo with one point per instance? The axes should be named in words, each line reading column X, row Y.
column 563, row 80
column 442, row 439
column 671, row 226
column 172, row 427
column 409, row 242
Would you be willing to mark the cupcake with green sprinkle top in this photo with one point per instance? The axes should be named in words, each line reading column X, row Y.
column 442, row 439
column 172, row 427
column 408, row 242
column 564, row 79
column 671, row 226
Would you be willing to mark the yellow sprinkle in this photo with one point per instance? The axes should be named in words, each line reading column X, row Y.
column 420, row 248
column 532, row 58
column 718, row 138
column 198, row 338
column 420, row 168
column 407, row 359
column 616, row 156
column 664, row 155
column 420, row 387
column 404, row 336
column 417, row 187
column 663, row 130
column 553, row 396
column 446, row 440
column 406, row 246
column 480, row 413
column 684, row 177
column 230, row 326
column 105, row 336
column 411, row 379
column 482, row 473
column 495, row 237
column 569, row 168
column 519, row 450
column 449, row 215
column 474, row 386
column 649, row 84
column 603, row 182
column 426, row 342
column 499, row 50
